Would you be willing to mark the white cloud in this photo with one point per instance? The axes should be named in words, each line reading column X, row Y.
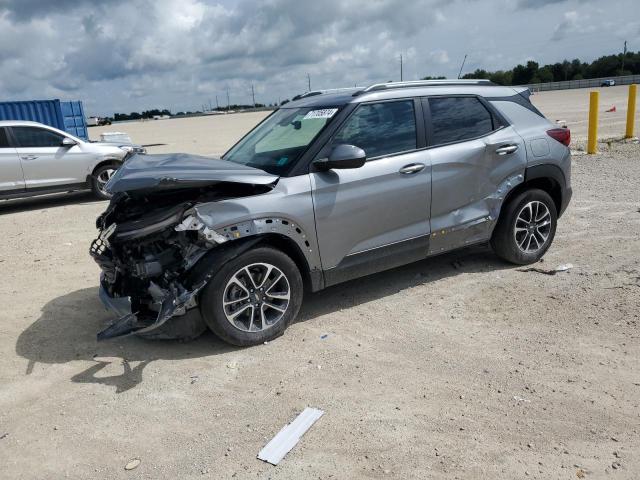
column 123, row 55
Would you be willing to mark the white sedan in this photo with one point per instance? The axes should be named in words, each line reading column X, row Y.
column 37, row 159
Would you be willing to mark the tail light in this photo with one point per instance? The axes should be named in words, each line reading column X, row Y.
column 562, row 135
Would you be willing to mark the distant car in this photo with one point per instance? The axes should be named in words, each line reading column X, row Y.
column 97, row 121
column 608, row 83
column 37, row 159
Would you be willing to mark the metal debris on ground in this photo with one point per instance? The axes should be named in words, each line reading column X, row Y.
column 289, row 436
column 560, row 268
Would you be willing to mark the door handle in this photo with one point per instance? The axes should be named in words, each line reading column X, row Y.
column 29, row 157
column 412, row 168
column 506, row 149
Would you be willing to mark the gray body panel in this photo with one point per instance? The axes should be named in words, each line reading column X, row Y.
column 370, row 207
column 177, row 170
column 290, row 200
column 470, row 181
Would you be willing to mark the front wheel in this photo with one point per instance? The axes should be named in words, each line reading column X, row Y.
column 526, row 228
column 253, row 298
column 99, row 180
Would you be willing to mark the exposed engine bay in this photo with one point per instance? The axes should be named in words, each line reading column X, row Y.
column 150, row 248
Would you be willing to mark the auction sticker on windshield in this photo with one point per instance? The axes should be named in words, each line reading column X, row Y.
column 324, row 113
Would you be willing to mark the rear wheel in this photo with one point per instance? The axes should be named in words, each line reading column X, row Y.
column 526, row 227
column 99, row 180
column 253, row 298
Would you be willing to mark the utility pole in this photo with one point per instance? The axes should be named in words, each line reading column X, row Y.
column 309, row 81
column 217, row 104
column 210, row 106
column 624, row 54
column 401, row 75
column 228, row 103
column 253, row 95
column 462, row 66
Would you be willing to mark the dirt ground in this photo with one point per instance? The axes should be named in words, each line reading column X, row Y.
column 457, row 367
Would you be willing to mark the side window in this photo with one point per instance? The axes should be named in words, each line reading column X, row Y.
column 4, row 141
column 36, row 137
column 380, row 128
column 455, row 119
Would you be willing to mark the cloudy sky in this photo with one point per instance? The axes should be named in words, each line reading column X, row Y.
column 128, row 55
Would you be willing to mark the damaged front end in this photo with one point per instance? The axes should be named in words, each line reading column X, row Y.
column 152, row 244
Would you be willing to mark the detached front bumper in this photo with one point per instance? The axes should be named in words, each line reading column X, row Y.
column 121, row 306
column 174, row 302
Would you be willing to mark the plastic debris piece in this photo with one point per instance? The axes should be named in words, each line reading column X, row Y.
column 564, row 267
column 560, row 268
column 289, row 436
column 133, row 463
column 324, row 336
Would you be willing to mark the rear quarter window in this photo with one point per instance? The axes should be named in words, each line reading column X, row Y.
column 455, row 119
column 518, row 115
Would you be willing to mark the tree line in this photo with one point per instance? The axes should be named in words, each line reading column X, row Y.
column 532, row 72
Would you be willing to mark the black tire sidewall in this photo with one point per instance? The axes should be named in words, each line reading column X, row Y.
column 503, row 240
column 212, row 297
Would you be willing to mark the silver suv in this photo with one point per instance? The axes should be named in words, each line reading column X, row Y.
column 37, row 159
column 332, row 187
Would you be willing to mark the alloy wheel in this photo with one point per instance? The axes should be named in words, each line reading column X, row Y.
column 256, row 297
column 532, row 227
column 102, row 179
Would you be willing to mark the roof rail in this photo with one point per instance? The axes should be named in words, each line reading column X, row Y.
column 328, row 90
column 425, row 83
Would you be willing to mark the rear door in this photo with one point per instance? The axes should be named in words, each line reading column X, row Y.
column 45, row 161
column 476, row 158
column 376, row 216
column 11, row 177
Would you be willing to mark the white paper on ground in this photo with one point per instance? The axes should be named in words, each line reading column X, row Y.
column 289, row 436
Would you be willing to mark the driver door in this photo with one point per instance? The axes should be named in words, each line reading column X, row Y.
column 375, row 217
column 45, row 161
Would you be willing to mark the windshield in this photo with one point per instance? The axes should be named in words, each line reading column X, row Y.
column 277, row 143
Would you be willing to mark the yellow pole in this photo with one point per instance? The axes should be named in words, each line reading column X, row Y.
column 631, row 110
column 592, row 141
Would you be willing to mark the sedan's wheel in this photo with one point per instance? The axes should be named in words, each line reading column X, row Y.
column 100, row 178
column 253, row 298
column 526, row 227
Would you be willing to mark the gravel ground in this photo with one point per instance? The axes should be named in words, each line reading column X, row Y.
column 460, row 366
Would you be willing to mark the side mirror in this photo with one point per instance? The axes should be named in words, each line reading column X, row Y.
column 343, row 156
column 68, row 142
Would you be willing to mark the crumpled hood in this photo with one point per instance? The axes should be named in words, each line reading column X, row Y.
column 181, row 170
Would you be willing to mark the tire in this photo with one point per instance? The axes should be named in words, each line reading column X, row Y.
column 536, row 216
column 250, row 316
column 100, row 177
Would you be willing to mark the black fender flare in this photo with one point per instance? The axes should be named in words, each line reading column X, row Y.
column 546, row 171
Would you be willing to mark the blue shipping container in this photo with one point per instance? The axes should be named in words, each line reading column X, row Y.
column 67, row 116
